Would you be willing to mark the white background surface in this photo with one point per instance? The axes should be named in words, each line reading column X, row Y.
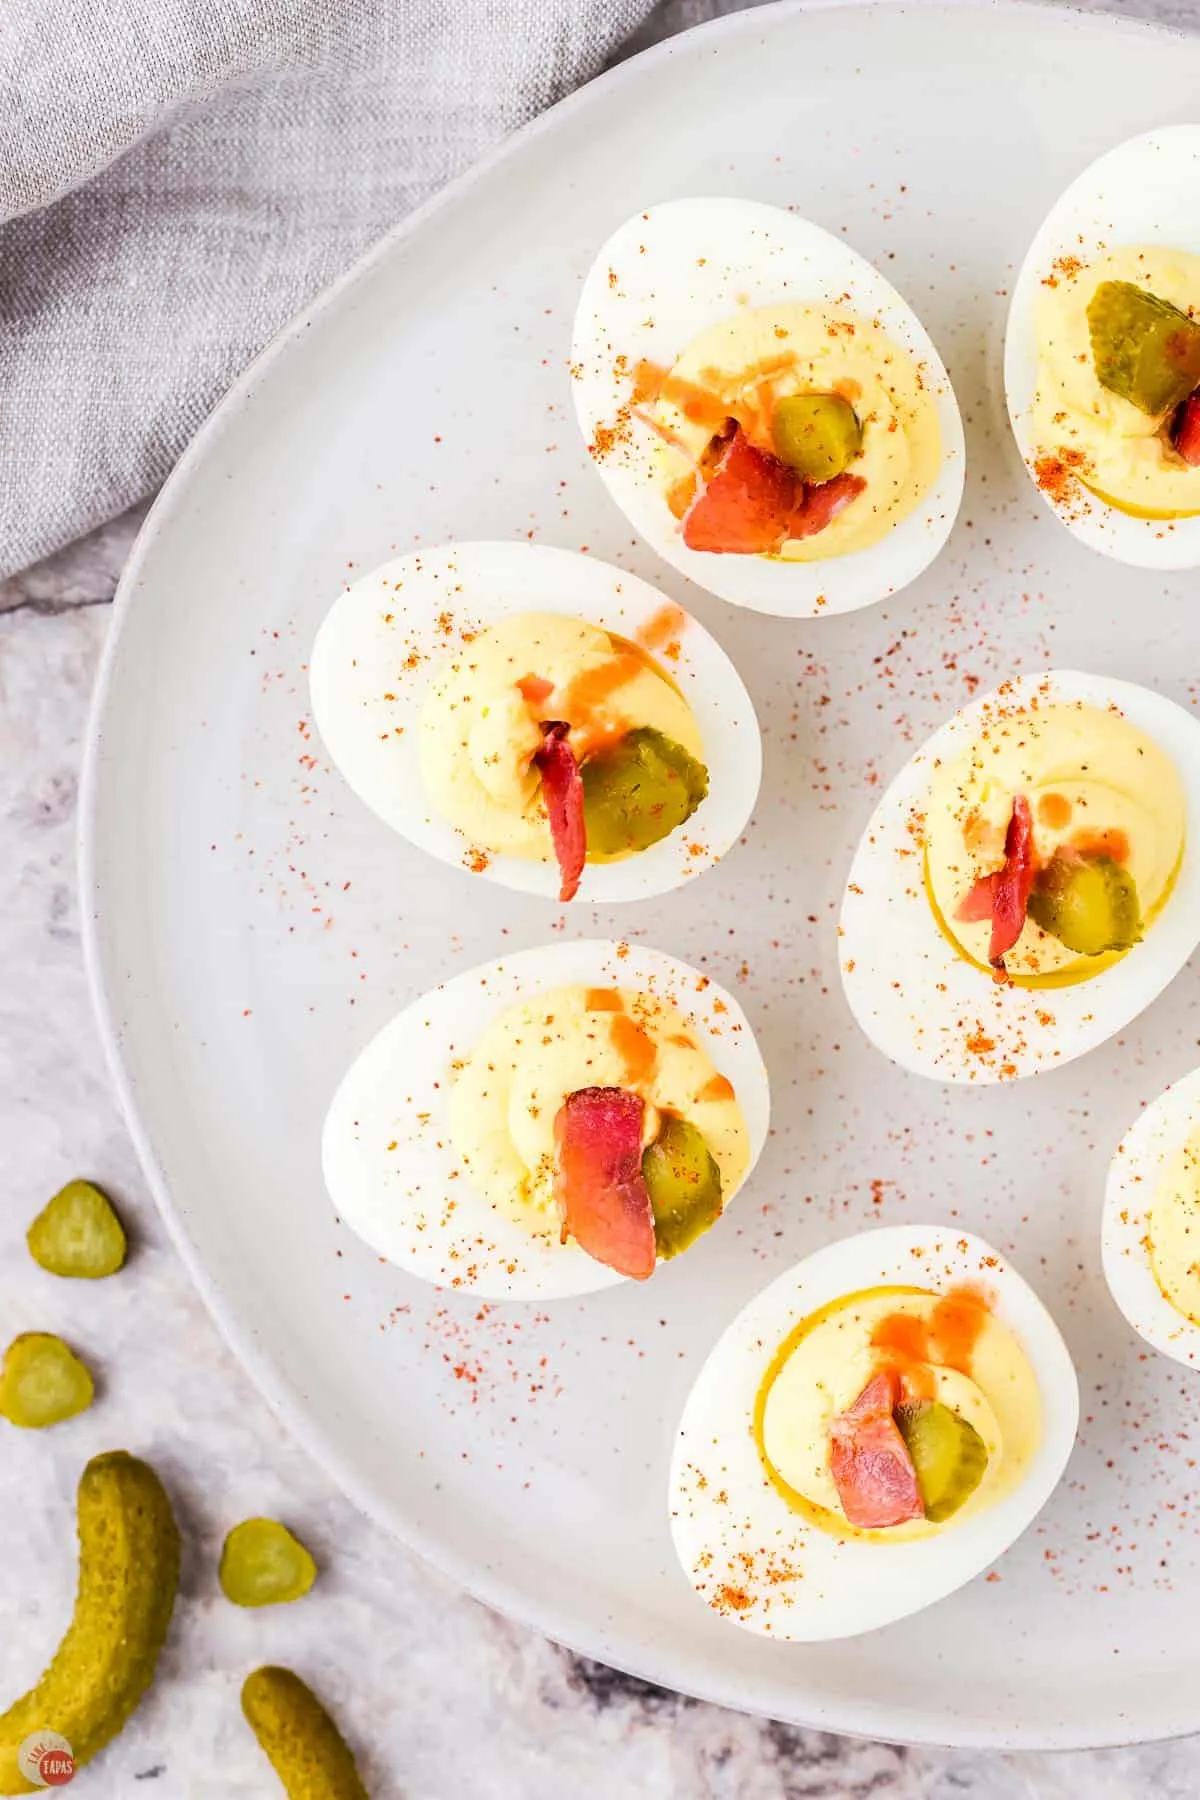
column 452, row 1700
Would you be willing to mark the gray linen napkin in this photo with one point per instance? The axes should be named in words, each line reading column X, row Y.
column 178, row 176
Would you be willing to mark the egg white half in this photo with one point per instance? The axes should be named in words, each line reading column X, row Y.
column 933, row 1012
column 1134, row 1177
column 1146, row 191
column 385, row 639
column 733, row 1530
column 664, row 277
column 389, row 1161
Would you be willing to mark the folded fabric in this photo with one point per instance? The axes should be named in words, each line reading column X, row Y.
column 177, row 177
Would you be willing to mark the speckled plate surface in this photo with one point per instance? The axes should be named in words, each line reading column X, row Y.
column 252, row 925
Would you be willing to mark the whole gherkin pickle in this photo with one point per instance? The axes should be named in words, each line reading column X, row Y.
column 684, row 1185
column 77, row 1234
column 262, row 1564
column 43, row 1382
column 1089, row 903
column 128, row 1576
column 948, row 1454
column 304, row 1746
column 1144, row 349
column 818, row 435
column 638, row 792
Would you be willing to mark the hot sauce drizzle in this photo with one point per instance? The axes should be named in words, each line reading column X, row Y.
column 719, row 1088
column 535, row 690
column 603, row 1000
column 636, row 1049
column 592, row 687
column 1113, row 844
column 903, row 1341
column 1054, row 812
column 948, row 1337
column 662, row 627
column 955, row 1325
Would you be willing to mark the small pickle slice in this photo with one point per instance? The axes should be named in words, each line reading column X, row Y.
column 1144, row 349
column 262, row 1564
column 1089, row 903
column 77, row 1234
column 304, row 1746
column 128, row 1576
column 818, row 435
column 43, row 1382
column 638, row 792
column 684, row 1185
column 947, row 1453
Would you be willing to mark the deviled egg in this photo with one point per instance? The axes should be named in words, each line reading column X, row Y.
column 874, row 1428
column 539, row 718
column 1029, row 882
column 1102, row 359
column 549, row 1124
column 765, row 408
column 1150, row 1236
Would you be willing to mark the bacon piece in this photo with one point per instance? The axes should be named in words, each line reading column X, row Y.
column 1003, row 896
column 604, row 1202
column 745, row 509
column 869, row 1460
column 753, row 503
column 562, row 787
column 979, row 903
column 1013, row 883
column 821, row 505
column 1185, row 434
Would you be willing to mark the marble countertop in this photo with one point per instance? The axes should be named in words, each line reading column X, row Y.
column 452, row 1700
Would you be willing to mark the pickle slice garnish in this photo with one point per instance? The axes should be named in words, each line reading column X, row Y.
column 684, row 1185
column 638, row 791
column 1089, row 903
column 948, row 1454
column 818, row 435
column 1143, row 348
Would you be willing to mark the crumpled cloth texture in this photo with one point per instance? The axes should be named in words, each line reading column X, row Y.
column 177, row 178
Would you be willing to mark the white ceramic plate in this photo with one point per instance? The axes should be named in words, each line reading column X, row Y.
column 251, row 926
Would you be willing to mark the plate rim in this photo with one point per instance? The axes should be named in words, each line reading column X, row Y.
column 863, row 1719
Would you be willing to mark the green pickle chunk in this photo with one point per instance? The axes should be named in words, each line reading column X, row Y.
column 1144, row 349
column 948, row 1454
column 262, row 1564
column 818, row 435
column 684, row 1185
column 304, row 1746
column 1089, row 903
column 128, row 1576
column 77, row 1234
column 638, row 792
column 43, row 1382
